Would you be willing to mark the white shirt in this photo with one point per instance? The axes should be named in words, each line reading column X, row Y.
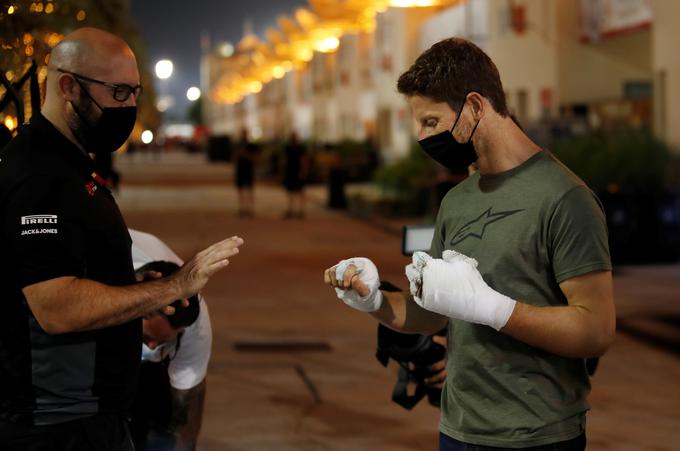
column 187, row 369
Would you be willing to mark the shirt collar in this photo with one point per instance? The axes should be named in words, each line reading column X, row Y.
column 62, row 144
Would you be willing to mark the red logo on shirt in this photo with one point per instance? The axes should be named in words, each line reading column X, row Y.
column 91, row 187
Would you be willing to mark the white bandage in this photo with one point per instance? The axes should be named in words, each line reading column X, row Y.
column 453, row 287
column 368, row 274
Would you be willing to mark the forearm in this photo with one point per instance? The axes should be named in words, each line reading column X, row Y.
column 569, row 331
column 187, row 416
column 69, row 304
column 399, row 312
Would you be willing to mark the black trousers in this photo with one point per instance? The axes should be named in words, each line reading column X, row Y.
column 95, row 433
column 447, row 443
column 152, row 409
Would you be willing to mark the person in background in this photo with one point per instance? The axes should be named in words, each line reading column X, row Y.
column 168, row 409
column 245, row 157
column 295, row 171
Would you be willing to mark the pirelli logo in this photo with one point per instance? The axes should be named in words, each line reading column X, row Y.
column 39, row 219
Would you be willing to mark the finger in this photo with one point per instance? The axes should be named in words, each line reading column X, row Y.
column 436, row 379
column 440, row 339
column 359, row 286
column 348, row 275
column 185, row 302
column 229, row 243
column 331, row 276
column 327, row 276
column 216, row 266
column 169, row 310
column 438, row 366
column 217, row 255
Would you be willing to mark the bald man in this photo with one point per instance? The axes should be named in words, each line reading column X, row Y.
column 70, row 328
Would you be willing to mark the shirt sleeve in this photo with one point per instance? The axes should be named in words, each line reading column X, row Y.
column 437, row 245
column 147, row 248
column 190, row 365
column 43, row 231
column 578, row 235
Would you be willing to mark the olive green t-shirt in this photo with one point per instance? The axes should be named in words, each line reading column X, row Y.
column 530, row 229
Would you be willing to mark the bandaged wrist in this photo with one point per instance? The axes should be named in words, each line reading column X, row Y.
column 368, row 274
column 455, row 288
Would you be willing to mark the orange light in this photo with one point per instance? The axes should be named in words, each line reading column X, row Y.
column 49, row 8
column 81, row 16
column 278, row 72
column 39, row 8
column 255, row 87
column 11, row 10
column 29, row 50
column 10, row 123
column 327, row 45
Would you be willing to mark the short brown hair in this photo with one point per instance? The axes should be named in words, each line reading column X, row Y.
column 449, row 70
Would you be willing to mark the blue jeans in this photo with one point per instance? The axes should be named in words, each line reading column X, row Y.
column 447, row 443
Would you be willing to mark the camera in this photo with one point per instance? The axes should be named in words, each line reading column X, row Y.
column 414, row 353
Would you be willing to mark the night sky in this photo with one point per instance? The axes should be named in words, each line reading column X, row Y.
column 172, row 29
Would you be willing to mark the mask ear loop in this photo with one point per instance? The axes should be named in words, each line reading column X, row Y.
column 457, row 117
column 88, row 93
column 473, row 130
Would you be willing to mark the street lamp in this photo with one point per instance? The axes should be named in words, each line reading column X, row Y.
column 193, row 93
column 147, row 136
column 164, row 69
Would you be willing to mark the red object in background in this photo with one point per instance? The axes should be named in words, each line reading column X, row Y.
column 518, row 18
column 546, row 98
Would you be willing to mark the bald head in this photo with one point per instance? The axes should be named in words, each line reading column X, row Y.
column 91, row 51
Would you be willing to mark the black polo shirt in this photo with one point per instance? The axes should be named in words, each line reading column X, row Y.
column 57, row 221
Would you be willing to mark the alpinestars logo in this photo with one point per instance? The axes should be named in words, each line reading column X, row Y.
column 477, row 227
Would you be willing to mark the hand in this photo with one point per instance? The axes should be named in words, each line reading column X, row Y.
column 438, row 369
column 356, row 282
column 193, row 276
column 453, row 287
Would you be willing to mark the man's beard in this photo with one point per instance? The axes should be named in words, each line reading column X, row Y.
column 80, row 123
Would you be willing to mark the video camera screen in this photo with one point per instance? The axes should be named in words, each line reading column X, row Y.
column 416, row 238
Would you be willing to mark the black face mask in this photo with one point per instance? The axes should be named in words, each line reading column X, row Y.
column 445, row 150
column 109, row 132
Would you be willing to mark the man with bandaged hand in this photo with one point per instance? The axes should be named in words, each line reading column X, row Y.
column 519, row 268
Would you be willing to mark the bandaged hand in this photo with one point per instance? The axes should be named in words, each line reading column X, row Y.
column 452, row 286
column 356, row 282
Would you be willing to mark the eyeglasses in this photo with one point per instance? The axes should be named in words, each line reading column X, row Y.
column 121, row 92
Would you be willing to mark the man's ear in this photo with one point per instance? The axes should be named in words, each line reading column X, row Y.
column 68, row 87
column 477, row 103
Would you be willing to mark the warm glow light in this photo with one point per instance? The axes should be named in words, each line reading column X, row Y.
column 226, row 49
column 287, row 66
column 164, row 69
column 49, row 8
column 147, row 136
column 164, row 103
column 193, row 93
column 9, row 75
column 413, row 3
column 11, row 10
column 254, row 87
column 278, row 72
column 10, row 123
column 81, row 16
column 327, row 45
column 39, row 7
column 29, row 50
